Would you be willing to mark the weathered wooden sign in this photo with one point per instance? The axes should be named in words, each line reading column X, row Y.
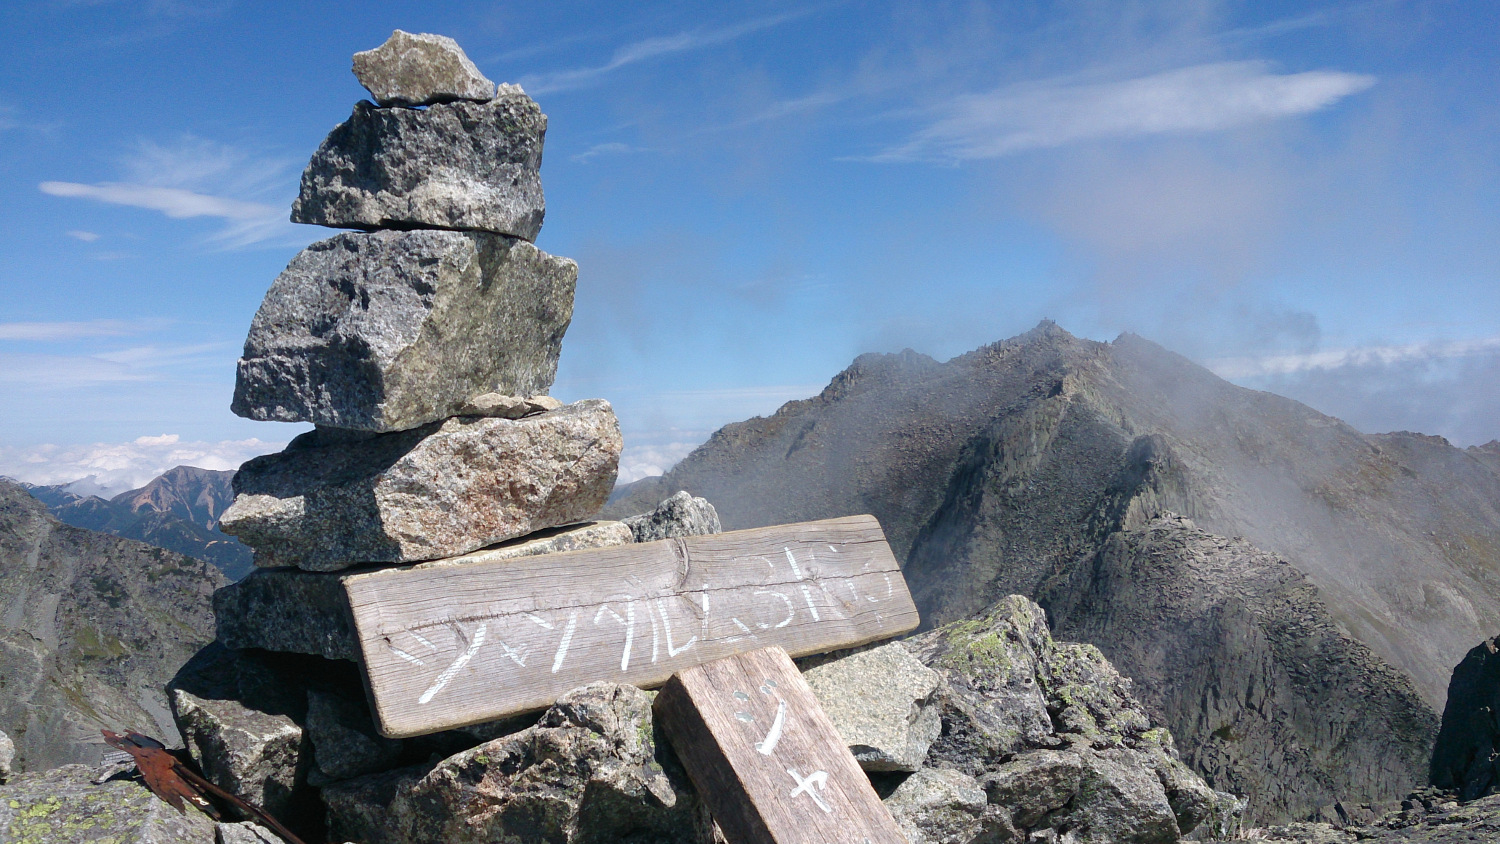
column 450, row 646
column 764, row 756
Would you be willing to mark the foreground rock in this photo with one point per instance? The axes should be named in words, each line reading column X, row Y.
column 63, row 805
column 462, row 165
column 1053, row 735
column 92, row 627
column 679, row 515
column 1466, row 758
column 880, row 700
column 1428, row 816
column 437, row 491
column 590, row 770
column 386, row 331
column 294, row 611
column 944, row 806
column 420, row 69
column 243, row 726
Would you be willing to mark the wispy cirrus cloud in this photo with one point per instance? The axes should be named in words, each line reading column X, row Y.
column 656, row 47
column 194, row 177
column 136, row 364
column 56, row 331
column 611, row 148
column 1332, row 359
column 1051, row 113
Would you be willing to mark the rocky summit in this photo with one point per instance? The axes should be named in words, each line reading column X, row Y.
column 1054, row 467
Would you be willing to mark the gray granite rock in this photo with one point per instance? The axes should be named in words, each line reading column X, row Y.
column 881, row 702
column 386, row 331
column 414, row 69
column 242, row 726
column 63, row 805
column 437, row 491
column 591, row 770
column 462, row 165
column 296, row 611
column 7, row 756
column 1055, row 736
column 944, row 806
column 246, row 832
column 680, row 515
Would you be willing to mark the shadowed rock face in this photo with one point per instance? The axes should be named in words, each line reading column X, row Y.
column 91, row 628
column 1466, row 758
column 1007, row 469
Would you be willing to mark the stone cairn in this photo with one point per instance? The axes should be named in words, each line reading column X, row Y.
column 421, row 346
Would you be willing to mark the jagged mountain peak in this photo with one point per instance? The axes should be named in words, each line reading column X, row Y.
column 188, row 492
column 1009, row 468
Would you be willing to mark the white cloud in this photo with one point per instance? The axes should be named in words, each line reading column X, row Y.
column 111, row 468
column 651, row 48
column 612, row 148
column 1254, row 367
column 645, row 461
column 141, row 363
column 1198, row 99
column 199, row 178
column 86, row 237
column 49, row 331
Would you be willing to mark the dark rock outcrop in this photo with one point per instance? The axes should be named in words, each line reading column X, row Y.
column 1466, row 758
column 1268, row 698
column 91, row 628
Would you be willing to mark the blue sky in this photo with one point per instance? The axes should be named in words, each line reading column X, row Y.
column 1303, row 196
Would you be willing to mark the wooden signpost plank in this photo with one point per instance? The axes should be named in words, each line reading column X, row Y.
column 764, row 756
column 449, row 646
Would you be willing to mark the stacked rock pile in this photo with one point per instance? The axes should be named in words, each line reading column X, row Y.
column 422, row 346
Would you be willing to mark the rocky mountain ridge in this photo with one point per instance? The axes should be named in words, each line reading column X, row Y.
column 91, row 628
column 178, row 510
column 1009, row 469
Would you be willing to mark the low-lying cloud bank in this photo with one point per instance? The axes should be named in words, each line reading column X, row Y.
column 107, row 469
column 1450, row 388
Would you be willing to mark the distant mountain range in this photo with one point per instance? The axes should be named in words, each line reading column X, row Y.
column 92, row 627
column 178, row 511
column 1289, row 594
